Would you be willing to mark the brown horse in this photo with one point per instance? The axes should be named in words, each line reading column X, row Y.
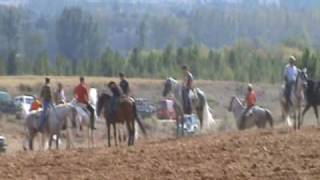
column 126, row 113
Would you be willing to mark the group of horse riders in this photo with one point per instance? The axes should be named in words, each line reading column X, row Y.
column 81, row 95
column 290, row 76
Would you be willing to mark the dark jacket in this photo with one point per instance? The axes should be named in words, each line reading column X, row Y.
column 46, row 93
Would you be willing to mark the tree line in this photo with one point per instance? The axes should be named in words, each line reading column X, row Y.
column 217, row 42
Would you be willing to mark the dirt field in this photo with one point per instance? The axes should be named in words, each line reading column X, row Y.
column 225, row 154
column 276, row 154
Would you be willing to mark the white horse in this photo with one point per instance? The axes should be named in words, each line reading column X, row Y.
column 257, row 116
column 198, row 102
column 297, row 99
column 58, row 118
column 82, row 119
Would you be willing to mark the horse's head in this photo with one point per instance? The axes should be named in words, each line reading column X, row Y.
column 231, row 103
column 167, row 87
column 302, row 78
column 103, row 99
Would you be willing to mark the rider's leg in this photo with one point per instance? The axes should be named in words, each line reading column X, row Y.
column 186, row 101
column 189, row 108
column 92, row 118
column 46, row 105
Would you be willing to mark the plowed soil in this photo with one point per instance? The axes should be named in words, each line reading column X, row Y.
column 268, row 154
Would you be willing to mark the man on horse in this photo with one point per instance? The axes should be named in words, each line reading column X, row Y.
column 115, row 100
column 290, row 76
column 251, row 102
column 124, row 84
column 186, row 90
column 46, row 98
column 82, row 97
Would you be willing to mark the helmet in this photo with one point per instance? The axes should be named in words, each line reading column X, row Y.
column 250, row 86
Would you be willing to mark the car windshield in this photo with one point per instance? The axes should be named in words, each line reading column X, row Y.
column 4, row 97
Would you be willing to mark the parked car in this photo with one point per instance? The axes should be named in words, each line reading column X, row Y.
column 23, row 104
column 6, row 103
column 166, row 109
column 3, row 145
column 144, row 107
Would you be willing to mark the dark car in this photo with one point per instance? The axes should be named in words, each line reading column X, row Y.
column 6, row 103
column 3, row 144
column 145, row 108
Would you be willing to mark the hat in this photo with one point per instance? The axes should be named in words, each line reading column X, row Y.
column 250, row 86
column 292, row 59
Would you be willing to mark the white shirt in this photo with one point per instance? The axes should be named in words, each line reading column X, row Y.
column 291, row 72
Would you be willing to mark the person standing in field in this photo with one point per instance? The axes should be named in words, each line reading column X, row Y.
column 46, row 98
column 59, row 97
column 187, row 85
column 82, row 97
column 124, row 84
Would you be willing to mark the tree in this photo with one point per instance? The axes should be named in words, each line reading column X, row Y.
column 77, row 35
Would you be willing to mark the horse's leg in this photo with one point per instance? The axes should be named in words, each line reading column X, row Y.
column 109, row 134
column 299, row 117
column 30, row 141
column 115, row 133
column 50, row 141
column 57, row 141
column 315, row 108
column 304, row 112
column 130, row 130
column 177, row 127
column 133, row 130
column 200, row 114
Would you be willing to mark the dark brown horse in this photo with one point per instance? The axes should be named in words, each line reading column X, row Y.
column 126, row 113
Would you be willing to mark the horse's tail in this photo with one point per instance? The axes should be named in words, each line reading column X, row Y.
column 207, row 119
column 138, row 119
column 269, row 118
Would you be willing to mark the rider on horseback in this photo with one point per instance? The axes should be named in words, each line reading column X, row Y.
column 46, row 98
column 290, row 76
column 82, row 97
column 115, row 100
column 251, row 102
column 124, row 84
column 187, row 88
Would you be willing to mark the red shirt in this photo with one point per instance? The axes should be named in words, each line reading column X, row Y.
column 251, row 99
column 36, row 105
column 81, row 93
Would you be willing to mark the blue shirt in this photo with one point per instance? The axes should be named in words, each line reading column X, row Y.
column 291, row 72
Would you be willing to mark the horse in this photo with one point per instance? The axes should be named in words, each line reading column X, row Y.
column 312, row 98
column 126, row 113
column 198, row 103
column 297, row 99
column 58, row 118
column 257, row 116
column 82, row 119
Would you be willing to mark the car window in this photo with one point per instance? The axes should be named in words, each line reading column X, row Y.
column 29, row 100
